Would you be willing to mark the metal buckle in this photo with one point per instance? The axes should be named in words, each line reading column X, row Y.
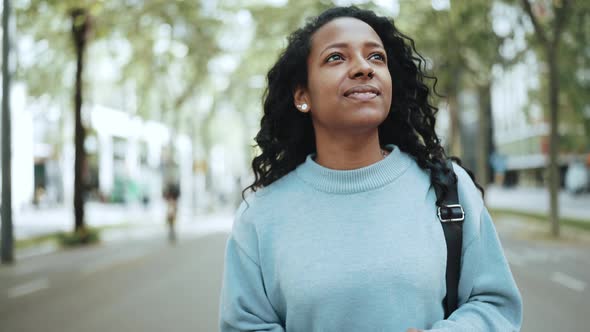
column 452, row 214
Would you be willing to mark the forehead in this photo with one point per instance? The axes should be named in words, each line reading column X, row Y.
column 343, row 30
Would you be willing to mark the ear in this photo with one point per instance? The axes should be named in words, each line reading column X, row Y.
column 301, row 99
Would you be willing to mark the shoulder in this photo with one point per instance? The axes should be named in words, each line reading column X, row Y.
column 266, row 200
column 261, row 208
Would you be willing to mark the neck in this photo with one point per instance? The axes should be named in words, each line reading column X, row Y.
column 349, row 152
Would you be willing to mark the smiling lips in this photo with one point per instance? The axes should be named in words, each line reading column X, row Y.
column 362, row 92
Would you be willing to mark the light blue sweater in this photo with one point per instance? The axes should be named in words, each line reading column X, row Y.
column 361, row 250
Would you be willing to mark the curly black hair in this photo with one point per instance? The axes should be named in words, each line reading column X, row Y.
column 286, row 135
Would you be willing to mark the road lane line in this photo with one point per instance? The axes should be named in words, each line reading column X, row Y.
column 28, row 288
column 116, row 260
column 42, row 249
column 514, row 258
column 569, row 282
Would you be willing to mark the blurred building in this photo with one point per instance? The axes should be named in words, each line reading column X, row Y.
column 521, row 129
column 23, row 148
column 128, row 159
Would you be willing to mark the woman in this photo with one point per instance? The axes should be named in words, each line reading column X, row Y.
column 341, row 233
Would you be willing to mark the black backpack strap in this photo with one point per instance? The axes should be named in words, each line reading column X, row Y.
column 451, row 216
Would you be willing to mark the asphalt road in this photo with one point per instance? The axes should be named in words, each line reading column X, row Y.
column 145, row 284
column 552, row 275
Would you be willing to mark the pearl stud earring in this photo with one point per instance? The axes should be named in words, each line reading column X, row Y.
column 303, row 107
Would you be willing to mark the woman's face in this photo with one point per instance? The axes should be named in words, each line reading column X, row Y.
column 349, row 85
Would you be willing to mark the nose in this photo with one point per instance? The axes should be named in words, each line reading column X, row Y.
column 361, row 68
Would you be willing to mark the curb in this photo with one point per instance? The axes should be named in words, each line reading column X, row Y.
column 214, row 223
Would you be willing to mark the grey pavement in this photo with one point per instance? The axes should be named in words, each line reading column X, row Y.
column 552, row 275
column 135, row 223
column 141, row 283
column 30, row 221
column 537, row 200
column 141, row 286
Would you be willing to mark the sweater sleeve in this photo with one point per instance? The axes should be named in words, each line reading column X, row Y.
column 244, row 305
column 488, row 296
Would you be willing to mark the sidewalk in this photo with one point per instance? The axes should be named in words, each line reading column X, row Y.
column 136, row 222
column 536, row 200
column 31, row 222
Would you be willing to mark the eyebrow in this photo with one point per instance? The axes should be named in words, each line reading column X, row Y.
column 344, row 45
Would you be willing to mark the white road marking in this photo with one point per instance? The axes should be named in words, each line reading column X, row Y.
column 45, row 248
column 569, row 282
column 113, row 261
column 28, row 288
column 514, row 258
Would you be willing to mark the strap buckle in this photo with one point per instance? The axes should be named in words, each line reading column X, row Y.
column 451, row 213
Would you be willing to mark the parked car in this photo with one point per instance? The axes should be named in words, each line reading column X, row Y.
column 577, row 178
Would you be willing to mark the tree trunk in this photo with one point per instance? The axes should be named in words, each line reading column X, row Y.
column 454, row 143
column 550, row 43
column 485, row 133
column 208, row 145
column 6, row 205
column 80, row 25
column 553, row 140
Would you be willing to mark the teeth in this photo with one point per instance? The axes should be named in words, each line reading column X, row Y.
column 363, row 93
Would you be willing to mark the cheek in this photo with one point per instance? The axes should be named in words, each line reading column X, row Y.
column 387, row 79
column 322, row 91
column 388, row 86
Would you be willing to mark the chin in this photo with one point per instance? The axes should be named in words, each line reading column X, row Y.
column 368, row 113
column 366, row 118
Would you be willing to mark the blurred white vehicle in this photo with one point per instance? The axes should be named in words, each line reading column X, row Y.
column 576, row 178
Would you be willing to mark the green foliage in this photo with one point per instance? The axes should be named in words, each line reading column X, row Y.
column 170, row 45
column 273, row 25
column 573, row 62
column 83, row 236
column 163, row 78
column 574, row 76
column 579, row 224
column 460, row 42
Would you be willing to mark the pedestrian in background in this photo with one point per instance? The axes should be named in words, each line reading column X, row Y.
column 341, row 232
column 171, row 196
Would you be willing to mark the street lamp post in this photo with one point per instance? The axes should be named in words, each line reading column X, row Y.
column 6, row 207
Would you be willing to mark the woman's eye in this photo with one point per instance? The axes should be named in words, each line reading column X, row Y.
column 377, row 56
column 334, row 57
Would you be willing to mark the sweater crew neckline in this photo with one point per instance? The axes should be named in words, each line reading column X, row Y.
column 357, row 180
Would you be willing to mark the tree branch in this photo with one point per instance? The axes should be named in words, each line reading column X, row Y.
column 526, row 4
column 560, row 20
column 188, row 92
